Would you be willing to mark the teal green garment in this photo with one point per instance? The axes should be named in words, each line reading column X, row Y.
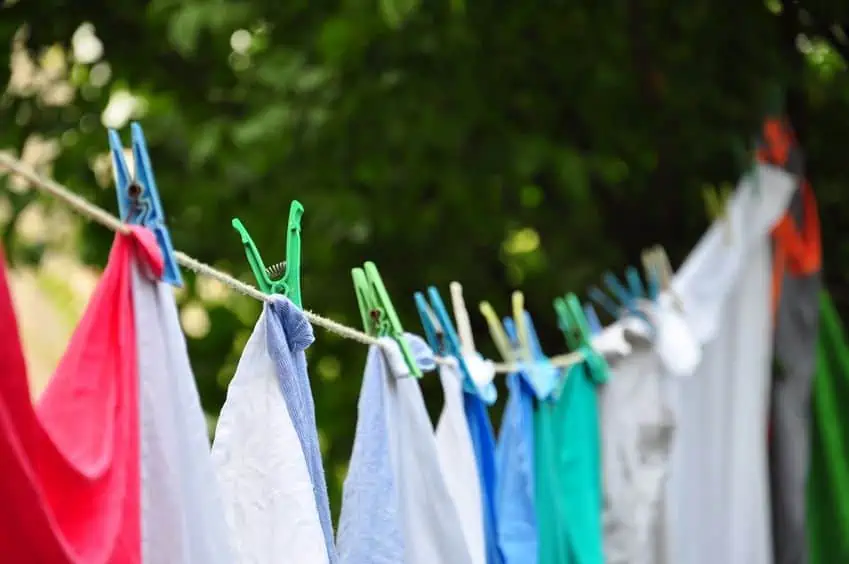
column 567, row 461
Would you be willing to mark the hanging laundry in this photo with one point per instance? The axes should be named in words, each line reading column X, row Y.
column 262, row 469
column 718, row 498
column 396, row 506
column 517, row 523
column 828, row 480
column 289, row 335
column 458, row 463
column 638, row 427
column 568, row 473
column 483, row 441
column 70, row 467
column 477, row 384
column 182, row 513
column 796, row 284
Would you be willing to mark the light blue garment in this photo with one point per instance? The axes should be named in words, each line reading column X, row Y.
column 289, row 333
column 483, row 441
column 370, row 528
column 517, row 524
column 396, row 508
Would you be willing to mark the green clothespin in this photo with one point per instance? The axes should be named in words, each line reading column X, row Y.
column 716, row 204
column 576, row 329
column 564, row 321
column 378, row 313
column 288, row 282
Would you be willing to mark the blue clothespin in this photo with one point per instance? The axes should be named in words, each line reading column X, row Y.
column 627, row 296
column 540, row 374
column 635, row 284
column 449, row 343
column 592, row 319
column 138, row 198
column 653, row 279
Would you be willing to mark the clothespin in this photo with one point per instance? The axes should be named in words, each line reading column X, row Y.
column 592, row 319
column 540, row 373
column 138, row 197
column 576, row 330
column 656, row 261
column 450, row 343
column 461, row 315
column 496, row 332
column 627, row 296
column 522, row 332
column 378, row 313
column 537, row 369
column 434, row 335
column 716, row 204
column 288, row 273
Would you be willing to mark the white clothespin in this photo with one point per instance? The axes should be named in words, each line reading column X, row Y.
column 481, row 371
column 461, row 318
column 656, row 264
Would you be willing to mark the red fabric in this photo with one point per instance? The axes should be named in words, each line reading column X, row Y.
column 69, row 466
column 797, row 251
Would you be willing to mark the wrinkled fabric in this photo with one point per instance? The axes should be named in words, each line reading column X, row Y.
column 517, row 523
column 638, row 428
column 182, row 514
column 289, row 335
column 69, row 468
column 568, row 473
column 718, row 499
column 483, row 441
column 796, row 328
column 828, row 479
column 262, row 471
column 370, row 527
column 397, row 508
column 459, row 467
column 637, row 431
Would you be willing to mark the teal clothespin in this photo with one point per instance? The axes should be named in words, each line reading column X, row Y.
column 138, row 197
column 378, row 313
column 288, row 282
column 574, row 325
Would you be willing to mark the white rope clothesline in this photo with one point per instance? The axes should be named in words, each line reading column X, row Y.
column 101, row 216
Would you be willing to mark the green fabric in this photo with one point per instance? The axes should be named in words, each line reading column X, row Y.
column 567, row 470
column 828, row 478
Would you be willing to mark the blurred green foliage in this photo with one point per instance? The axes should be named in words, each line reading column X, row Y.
column 505, row 145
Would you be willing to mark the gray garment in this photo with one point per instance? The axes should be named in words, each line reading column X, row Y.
column 637, row 433
column 796, row 331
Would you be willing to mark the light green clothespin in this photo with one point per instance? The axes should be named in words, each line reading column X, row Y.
column 378, row 313
column 288, row 282
column 716, row 204
column 518, row 303
column 496, row 331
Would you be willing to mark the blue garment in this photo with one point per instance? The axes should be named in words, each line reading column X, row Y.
column 396, row 508
column 370, row 527
column 289, row 333
column 517, row 523
column 483, row 440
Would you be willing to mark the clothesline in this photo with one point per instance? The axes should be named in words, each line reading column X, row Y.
column 101, row 216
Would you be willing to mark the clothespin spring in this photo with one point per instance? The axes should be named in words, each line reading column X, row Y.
column 276, row 270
